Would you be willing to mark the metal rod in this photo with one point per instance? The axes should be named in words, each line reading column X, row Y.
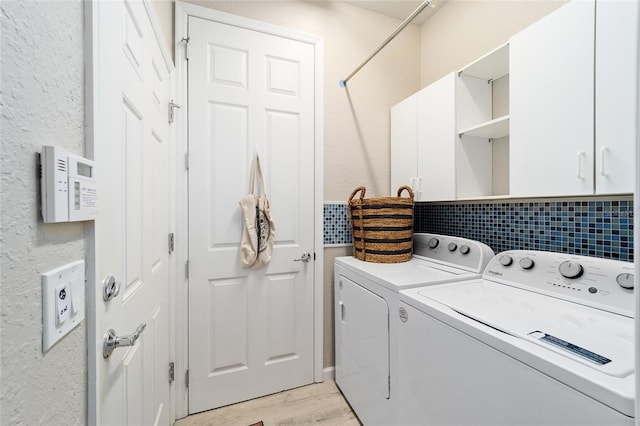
column 343, row 83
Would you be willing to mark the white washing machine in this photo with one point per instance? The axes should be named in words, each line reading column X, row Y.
column 541, row 339
column 366, row 302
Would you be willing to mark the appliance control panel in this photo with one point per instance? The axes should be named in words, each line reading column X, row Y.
column 600, row 283
column 470, row 255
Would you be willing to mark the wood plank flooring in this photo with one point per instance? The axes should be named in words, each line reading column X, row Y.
column 318, row 404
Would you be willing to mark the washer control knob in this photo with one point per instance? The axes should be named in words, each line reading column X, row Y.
column 526, row 263
column 570, row 269
column 506, row 260
column 464, row 249
column 453, row 247
column 625, row 281
column 593, row 290
column 433, row 243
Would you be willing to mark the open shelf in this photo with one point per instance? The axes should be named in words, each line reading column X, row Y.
column 493, row 129
column 491, row 66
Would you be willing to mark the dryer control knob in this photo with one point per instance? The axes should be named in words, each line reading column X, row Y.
column 570, row 269
column 506, row 260
column 453, row 247
column 625, row 281
column 433, row 243
column 464, row 249
column 526, row 263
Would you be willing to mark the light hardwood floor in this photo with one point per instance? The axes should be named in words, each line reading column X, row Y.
column 318, row 404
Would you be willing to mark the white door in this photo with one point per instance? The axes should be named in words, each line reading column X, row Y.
column 436, row 140
column 617, row 26
column 404, row 146
column 130, row 88
column 251, row 332
column 551, row 102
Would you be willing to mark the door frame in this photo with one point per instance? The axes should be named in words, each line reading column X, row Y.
column 182, row 13
column 93, row 93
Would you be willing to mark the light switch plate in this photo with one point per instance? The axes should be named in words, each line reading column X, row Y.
column 62, row 289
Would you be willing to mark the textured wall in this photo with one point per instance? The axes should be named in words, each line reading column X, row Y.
column 42, row 103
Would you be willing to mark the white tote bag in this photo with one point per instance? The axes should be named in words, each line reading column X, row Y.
column 258, row 230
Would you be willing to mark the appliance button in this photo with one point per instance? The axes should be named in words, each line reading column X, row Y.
column 625, row 281
column 570, row 269
column 464, row 249
column 526, row 263
column 506, row 260
column 433, row 243
column 453, row 247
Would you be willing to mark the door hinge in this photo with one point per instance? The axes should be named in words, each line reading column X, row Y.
column 186, row 160
column 186, row 269
column 172, row 371
column 172, row 243
column 186, row 378
column 172, row 110
column 185, row 40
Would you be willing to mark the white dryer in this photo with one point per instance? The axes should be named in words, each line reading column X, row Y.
column 366, row 302
column 541, row 339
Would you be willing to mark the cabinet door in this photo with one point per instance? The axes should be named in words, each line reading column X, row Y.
column 616, row 88
column 552, row 104
column 404, row 144
column 436, row 140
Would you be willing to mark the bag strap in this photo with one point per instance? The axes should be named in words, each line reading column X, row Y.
column 256, row 173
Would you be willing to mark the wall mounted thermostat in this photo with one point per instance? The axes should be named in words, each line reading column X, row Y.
column 68, row 186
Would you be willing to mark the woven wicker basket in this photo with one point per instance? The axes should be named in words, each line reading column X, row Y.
column 382, row 228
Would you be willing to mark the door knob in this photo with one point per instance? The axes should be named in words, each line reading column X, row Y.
column 306, row 256
column 111, row 341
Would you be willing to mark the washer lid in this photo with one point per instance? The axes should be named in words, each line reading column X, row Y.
column 414, row 273
column 596, row 338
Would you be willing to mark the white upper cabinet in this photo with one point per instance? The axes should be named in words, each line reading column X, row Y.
column 423, row 142
column 404, row 145
column 436, row 140
column 616, row 88
column 551, row 113
column 552, row 104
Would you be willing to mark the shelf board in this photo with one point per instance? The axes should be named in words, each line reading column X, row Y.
column 493, row 129
column 491, row 66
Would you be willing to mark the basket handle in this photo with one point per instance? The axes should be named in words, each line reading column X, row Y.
column 355, row 191
column 409, row 190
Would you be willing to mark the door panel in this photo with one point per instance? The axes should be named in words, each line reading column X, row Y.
column 131, row 91
column 250, row 331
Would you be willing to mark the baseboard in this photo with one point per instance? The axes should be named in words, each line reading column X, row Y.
column 328, row 373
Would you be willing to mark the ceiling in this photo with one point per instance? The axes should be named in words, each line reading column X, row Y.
column 400, row 9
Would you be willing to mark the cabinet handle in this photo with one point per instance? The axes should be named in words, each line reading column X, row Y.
column 580, row 154
column 419, row 188
column 603, row 153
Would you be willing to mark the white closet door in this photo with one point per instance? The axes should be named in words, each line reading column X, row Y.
column 250, row 331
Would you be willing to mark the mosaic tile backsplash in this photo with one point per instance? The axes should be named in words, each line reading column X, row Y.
column 589, row 228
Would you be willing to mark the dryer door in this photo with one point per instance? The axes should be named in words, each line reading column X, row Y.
column 362, row 338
